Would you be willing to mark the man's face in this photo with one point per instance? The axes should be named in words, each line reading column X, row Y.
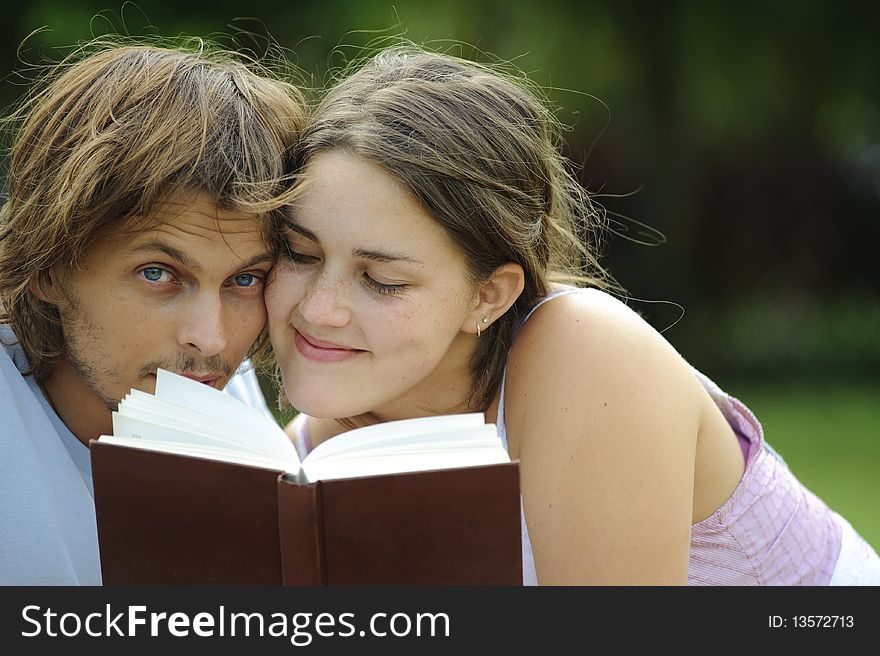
column 185, row 294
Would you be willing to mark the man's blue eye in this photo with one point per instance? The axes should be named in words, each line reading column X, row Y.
column 245, row 279
column 153, row 274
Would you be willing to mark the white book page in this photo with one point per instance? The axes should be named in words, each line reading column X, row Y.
column 355, row 467
column 209, row 452
column 201, row 430
column 223, row 408
column 423, row 451
column 482, row 436
column 368, row 436
column 150, row 431
column 192, row 419
column 197, row 421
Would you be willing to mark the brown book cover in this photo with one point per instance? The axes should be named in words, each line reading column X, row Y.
column 166, row 519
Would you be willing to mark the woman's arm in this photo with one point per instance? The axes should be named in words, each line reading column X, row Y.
column 604, row 416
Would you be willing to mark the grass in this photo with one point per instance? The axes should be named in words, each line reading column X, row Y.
column 829, row 434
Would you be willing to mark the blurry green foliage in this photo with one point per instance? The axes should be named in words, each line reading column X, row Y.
column 750, row 132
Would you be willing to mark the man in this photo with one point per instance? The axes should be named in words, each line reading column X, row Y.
column 146, row 190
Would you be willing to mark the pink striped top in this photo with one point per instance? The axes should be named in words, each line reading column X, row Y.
column 771, row 531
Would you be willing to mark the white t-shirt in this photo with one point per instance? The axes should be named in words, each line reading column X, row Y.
column 48, row 534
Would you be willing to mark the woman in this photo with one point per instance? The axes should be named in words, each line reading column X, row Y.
column 430, row 266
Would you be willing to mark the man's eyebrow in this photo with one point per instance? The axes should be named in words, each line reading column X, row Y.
column 181, row 257
column 170, row 251
column 259, row 258
column 376, row 256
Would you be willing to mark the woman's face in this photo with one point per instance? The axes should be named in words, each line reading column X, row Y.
column 371, row 311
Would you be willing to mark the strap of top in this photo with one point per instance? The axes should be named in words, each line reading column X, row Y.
column 500, row 421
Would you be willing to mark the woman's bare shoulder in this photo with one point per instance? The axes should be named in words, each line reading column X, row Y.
column 589, row 351
column 591, row 326
column 603, row 415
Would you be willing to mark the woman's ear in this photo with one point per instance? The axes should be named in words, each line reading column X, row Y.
column 495, row 296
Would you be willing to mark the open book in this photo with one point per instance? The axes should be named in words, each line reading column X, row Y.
column 197, row 488
column 189, row 418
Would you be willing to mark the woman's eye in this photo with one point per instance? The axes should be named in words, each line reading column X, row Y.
column 382, row 288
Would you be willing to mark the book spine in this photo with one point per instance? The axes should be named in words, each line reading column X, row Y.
column 301, row 533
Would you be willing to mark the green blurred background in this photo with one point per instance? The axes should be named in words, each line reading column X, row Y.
column 735, row 146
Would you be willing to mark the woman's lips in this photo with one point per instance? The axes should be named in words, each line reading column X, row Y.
column 320, row 351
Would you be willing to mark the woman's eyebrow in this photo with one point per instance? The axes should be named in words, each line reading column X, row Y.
column 383, row 256
column 305, row 232
column 366, row 254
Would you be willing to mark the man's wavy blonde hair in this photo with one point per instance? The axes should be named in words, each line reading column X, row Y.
column 115, row 129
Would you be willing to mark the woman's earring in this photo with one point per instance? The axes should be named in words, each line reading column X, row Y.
column 480, row 330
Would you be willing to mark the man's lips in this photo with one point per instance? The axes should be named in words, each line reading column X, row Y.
column 213, row 380
column 207, row 379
